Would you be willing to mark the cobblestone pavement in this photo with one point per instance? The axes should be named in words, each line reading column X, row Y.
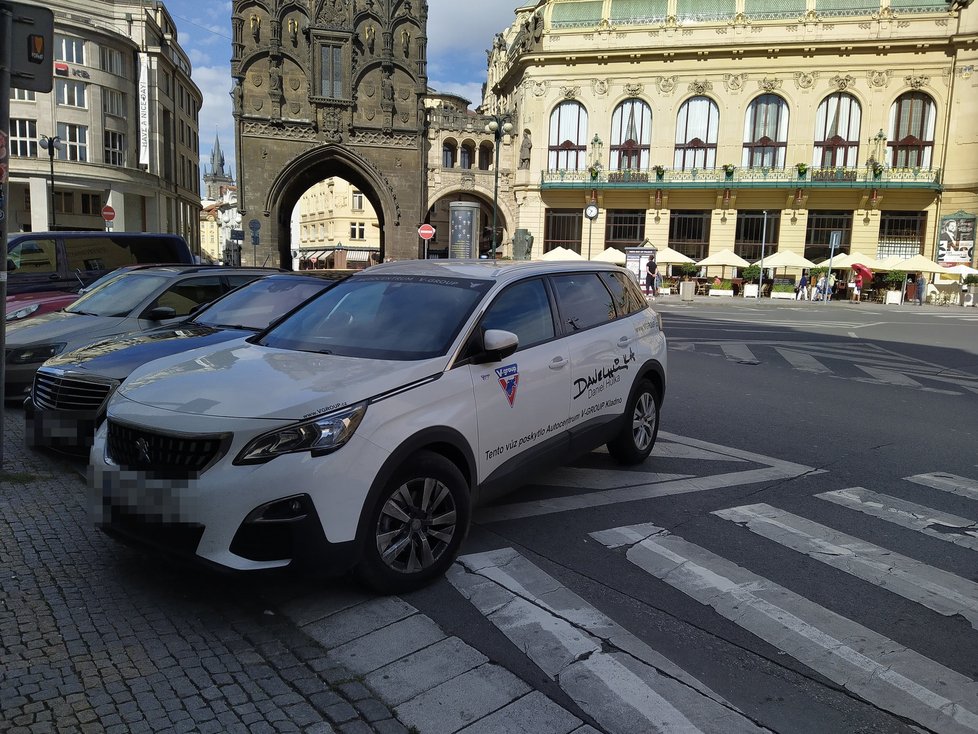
column 95, row 637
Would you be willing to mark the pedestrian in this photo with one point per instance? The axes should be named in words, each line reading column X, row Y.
column 650, row 270
column 801, row 294
column 830, row 286
column 921, row 289
column 658, row 283
column 857, row 287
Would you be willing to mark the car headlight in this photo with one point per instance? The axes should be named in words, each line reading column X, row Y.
column 23, row 312
column 320, row 436
column 37, row 353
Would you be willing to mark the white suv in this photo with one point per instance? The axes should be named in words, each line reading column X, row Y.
column 360, row 430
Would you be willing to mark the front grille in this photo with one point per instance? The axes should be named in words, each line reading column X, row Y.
column 180, row 538
column 60, row 392
column 167, row 455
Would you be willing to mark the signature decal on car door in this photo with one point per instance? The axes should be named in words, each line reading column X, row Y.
column 509, row 379
column 593, row 384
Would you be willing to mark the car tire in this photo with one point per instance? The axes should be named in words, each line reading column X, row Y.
column 640, row 425
column 416, row 525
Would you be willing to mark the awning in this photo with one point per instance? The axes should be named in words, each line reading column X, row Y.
column 313, row 254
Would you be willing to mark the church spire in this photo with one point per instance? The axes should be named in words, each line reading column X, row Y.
column 217, row 158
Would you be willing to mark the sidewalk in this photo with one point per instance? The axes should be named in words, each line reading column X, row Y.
column 96, row 637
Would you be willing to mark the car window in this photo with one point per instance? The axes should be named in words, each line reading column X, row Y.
column 628, row 298
column 242, row 278
column 382, row 317
column 33, row 256
column 184, row 295
column 259, row 303
column 118, row 296
column 107, row 251
column 583, row 301
column 523, row 309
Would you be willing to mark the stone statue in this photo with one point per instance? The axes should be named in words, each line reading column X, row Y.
column 525, row 147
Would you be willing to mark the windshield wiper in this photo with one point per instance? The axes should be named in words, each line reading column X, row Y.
column 229, row 326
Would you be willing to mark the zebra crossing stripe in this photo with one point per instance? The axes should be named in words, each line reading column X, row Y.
column 889, row 376
column 738, row 352
column 870, row 665
column 952, row 483
column 802, row 360
column 941, row 525
column 935, row 589
column 622, row 683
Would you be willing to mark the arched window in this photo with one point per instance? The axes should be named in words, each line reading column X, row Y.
column 837, row 126
column 765, row 132
column 568, row 137
column 912, row 120
column 467, row 155
column 485, row 156
column 448, row 152
column 696, row 134
column 631, row 136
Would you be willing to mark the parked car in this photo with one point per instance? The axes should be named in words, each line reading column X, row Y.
column 45, row 261
column 70, row 390
column 360, row 430
column 134, row 301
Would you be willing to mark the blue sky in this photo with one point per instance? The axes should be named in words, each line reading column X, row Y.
column 459, row 32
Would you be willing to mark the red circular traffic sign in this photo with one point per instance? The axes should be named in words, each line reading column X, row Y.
column 108, row 213
column 426, row 231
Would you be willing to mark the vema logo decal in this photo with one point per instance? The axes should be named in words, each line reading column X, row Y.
column 509, row 378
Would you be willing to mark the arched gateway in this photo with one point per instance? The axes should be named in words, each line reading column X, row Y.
column 330, row 88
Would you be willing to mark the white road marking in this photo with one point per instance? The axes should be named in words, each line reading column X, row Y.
column 621, row 682
column 880, row 670
column 934, row 588
column 802, row 361
column 737, row 352
column 948, row 483
column 961, row 531
column 771, row 470
column 889, row 376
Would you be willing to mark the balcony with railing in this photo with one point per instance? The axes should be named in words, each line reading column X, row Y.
column 736, row 177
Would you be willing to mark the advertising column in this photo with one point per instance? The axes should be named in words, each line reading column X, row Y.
column 463, row 229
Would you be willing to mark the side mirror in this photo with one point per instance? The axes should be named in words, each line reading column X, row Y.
column 496, row 346
column 160, row 313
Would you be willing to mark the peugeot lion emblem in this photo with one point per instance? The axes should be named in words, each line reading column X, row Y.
column 142, row 449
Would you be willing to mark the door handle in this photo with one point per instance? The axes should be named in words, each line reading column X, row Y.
column 624, row 341
column 557, row 362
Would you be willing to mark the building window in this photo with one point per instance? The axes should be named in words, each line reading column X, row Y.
column 752, row 234
column 115, row 148
column 448, row 152
column 91, row 204
column 696, row 134
column 357, row 201
column 71, row 93
column 485, row 156
column 568, row 137
column 631, row 136
column 467, row 156
column 901, row 234
column 766, row 132
column 912, row 120
column 23, row 95
column 64, row 202
column 111, row 61
column 562, row 228
column 689, row 232
column 74, row 142
column 69, row 49
column 331, row 68
column 818, row 233
column 23, row 139
column 113, row 103
column 166, row 83
column 624, row 228
column 837, row 126
column 358, row 230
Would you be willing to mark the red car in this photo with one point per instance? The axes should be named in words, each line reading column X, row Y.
column 25, row 305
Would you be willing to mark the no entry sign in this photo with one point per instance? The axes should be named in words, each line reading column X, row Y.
column 426, row 232
column 108, row 213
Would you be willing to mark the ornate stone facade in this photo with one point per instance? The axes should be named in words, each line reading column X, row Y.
column 329, row 88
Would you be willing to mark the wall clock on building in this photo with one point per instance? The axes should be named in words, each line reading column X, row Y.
column 591, row 211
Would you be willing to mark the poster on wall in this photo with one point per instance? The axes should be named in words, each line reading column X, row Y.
column 956, row 240
column 637, row 260
column 463, row 230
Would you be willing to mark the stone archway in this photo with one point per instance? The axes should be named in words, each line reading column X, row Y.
column 327, row 87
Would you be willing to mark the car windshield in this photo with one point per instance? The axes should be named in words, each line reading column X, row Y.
column 382, row 317
column 257, row 304
column 118, row 296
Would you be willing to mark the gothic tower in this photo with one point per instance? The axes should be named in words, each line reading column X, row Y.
column 216, row 180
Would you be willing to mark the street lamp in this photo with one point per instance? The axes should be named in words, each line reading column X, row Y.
column 51, row 144
column 498, row 125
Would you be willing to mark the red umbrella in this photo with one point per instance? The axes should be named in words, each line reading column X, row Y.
column 863, row 271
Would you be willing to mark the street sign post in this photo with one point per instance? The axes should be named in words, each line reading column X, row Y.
column 254, row 225
column 426, row 232
column 26, row 62
column 108, row 214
